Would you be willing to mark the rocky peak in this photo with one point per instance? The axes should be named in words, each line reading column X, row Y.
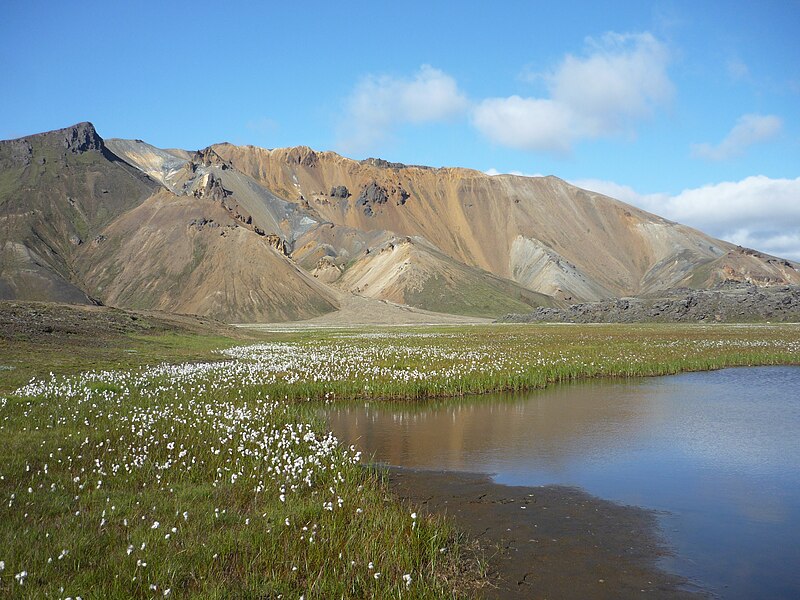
column 80, row 138
column 77, row 139
column 208, row 157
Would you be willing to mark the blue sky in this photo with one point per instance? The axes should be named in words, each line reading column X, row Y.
column 688, row 109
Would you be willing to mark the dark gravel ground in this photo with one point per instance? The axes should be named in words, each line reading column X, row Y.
column 45, row 321
column 727, row 303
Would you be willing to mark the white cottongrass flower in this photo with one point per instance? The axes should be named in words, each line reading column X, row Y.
column 407, row 579
column 155, row 525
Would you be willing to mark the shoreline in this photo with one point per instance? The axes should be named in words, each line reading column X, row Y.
column 550, row 541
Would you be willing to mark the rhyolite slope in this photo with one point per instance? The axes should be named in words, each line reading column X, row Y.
column 243, row 233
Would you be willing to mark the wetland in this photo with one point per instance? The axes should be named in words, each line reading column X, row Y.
column 712, row 456
column 189, row 460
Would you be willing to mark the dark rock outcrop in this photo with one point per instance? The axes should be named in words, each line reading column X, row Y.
column 81, row 138
column 212, row 189
column 729, row 301
column 375, row 194
column 385, row 164
column 340, row 191
column 19, row 152
column 202, row 223
column 208, row 157
column 303, row 155
column 401, row 196
column 278, row 243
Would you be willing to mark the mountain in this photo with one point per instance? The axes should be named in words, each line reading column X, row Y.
column 57, row 191
column 247, row 234
column 541, row 232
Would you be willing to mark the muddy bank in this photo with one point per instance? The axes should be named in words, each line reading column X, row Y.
column 549, row 542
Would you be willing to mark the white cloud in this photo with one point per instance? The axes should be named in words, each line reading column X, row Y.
column 758, row 212
column 749, row 130
column 380, row 103
column 649, row 202
column 738, row 70
column 621, row 80
column 526, row 123
column 492, row 172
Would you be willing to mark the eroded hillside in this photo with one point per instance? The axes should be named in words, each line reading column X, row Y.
column 541, row 232
column 247, row 234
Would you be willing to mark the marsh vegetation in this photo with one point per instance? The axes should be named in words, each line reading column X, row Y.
column 218, row 477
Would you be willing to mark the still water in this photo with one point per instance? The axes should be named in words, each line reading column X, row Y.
column 716, row 453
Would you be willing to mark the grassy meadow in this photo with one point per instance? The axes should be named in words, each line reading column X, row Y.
column 202, row 466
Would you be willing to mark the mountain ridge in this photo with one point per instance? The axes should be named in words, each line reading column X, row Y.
column 243, row 233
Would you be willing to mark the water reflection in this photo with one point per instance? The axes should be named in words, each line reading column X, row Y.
column 550, row 428
column 719, row 451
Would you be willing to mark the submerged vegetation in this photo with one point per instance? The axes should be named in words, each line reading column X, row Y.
column 219, row 479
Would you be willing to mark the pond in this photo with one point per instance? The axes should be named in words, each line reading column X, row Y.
column 717, row 454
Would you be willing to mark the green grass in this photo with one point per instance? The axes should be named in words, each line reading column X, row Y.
column 89, row 463
column 22, row 360
column 232, row 541
column 471, row 297
column 455, row 361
